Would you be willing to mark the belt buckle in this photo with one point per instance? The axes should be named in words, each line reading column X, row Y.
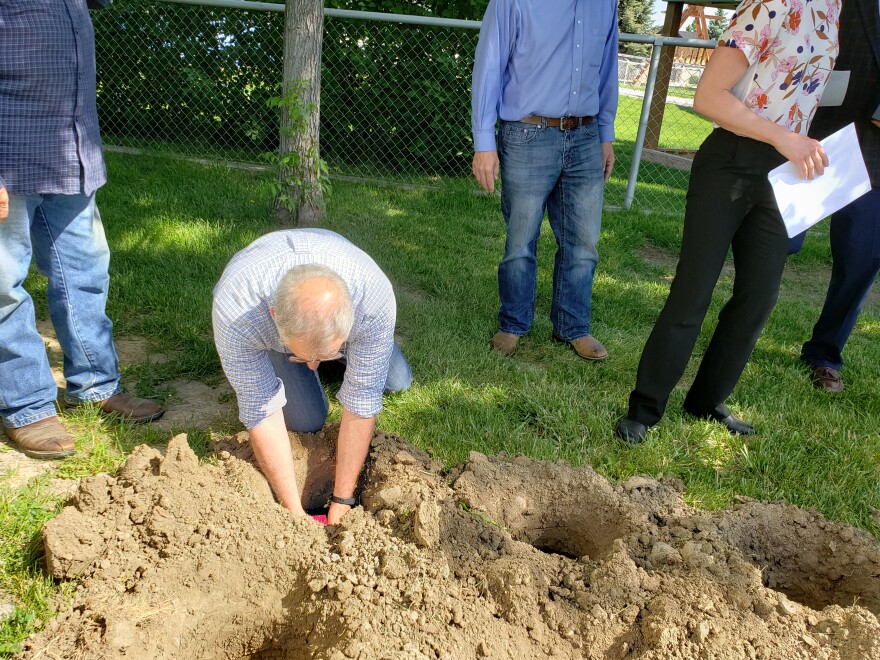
column 568, row 123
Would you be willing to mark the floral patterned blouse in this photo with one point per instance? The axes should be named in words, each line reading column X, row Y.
column 791, row 46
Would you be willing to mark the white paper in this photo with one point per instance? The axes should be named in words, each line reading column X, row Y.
column 804, row 202
column 835, row 89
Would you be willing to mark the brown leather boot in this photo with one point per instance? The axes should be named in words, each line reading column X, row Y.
column 504, row 343
column 45, row 439
column 128, row 407
column 587, row 347
column 132, row 408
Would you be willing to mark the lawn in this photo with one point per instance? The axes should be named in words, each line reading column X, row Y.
column 173, row 226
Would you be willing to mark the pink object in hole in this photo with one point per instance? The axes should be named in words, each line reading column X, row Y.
column 319, row 518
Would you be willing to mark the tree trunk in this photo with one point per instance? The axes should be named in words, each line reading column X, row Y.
column 303, row 39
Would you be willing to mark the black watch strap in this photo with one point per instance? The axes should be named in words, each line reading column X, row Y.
column 348, row 501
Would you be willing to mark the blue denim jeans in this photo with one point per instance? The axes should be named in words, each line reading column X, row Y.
column 560, row 171
column 64, row 235
column 307, row 407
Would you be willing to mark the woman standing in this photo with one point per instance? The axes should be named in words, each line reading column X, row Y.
column 761, row 88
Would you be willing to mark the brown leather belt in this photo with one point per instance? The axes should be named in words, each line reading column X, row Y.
column 565, row 123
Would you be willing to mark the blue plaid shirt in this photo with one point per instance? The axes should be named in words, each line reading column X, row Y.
column 244, row 331
column 49, row 139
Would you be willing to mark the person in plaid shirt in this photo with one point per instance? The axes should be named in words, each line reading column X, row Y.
column 50, row 167
column 287, row 302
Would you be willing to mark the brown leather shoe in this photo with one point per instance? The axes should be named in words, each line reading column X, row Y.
column 132, row 408
column 826, row 378
column 128, row 407
column 587, row 347
column 504, row 343
column 45, row 439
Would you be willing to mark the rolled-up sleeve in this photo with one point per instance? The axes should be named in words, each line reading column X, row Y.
column 249, row 370
column 367, row 362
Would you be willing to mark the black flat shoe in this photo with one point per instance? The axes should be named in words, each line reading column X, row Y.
column 733, row 424
column 631, row 431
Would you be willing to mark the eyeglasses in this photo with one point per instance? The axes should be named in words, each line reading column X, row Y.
column 326, row 358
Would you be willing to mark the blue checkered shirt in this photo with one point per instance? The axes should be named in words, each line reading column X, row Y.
column 244, row 331
column 49, row 139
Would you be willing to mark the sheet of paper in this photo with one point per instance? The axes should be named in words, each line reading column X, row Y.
column 835, row 89
column 803, row 202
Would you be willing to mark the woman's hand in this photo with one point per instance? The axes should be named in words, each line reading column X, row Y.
column 805, row 153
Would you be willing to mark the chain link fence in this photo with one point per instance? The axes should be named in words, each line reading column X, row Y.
column 194, row 80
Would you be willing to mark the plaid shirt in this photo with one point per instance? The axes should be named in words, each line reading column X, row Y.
column 49, row 139
column 244, row 331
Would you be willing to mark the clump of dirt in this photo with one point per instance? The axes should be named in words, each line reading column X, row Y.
column 501, row 558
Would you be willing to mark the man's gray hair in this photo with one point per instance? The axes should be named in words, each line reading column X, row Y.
column 295, row 316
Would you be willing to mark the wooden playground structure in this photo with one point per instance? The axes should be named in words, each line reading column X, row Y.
column 677, row 15
column 697, row 13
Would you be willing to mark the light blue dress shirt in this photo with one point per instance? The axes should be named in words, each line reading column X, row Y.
column 554, row 58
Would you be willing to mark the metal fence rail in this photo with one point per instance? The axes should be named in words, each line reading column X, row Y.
column 193, row 77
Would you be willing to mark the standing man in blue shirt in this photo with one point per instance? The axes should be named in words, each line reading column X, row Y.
column 50, row 167
column 550, row 75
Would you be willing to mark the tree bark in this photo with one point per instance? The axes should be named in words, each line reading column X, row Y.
column 303, row 41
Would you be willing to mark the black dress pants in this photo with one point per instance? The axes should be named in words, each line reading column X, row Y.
column 729, row 204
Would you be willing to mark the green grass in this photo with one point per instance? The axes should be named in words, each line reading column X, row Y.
column 173, row 226
column 660, row 189
column 22, row 513
column 674, row 92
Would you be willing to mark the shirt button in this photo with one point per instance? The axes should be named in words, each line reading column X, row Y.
column 578, row 45
column 574, row 93
column 577, row 68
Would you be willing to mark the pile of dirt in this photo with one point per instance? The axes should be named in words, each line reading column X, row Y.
column 501, row 558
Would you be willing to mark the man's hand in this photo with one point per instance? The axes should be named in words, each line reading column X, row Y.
column 485, row 169
column 876, row 122
column 607, row 159
column 334, row 515
column 4, row 205
column 805, row 153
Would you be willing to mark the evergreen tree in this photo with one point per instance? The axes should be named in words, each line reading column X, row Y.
column 635, row 17
column 717, row 28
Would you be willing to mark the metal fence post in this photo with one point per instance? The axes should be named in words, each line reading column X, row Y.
column 643, row 124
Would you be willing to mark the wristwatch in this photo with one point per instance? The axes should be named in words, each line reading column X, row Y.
column 347, row 501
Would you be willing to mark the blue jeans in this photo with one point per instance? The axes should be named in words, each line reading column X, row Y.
column 64, row 234
column 560, row 171
column 307, row 407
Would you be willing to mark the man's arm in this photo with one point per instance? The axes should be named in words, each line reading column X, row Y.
column 352, row 446
column 608, row 95
column 261, row 400
column 4, row 204
column 272, row 449
column 493, row 52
